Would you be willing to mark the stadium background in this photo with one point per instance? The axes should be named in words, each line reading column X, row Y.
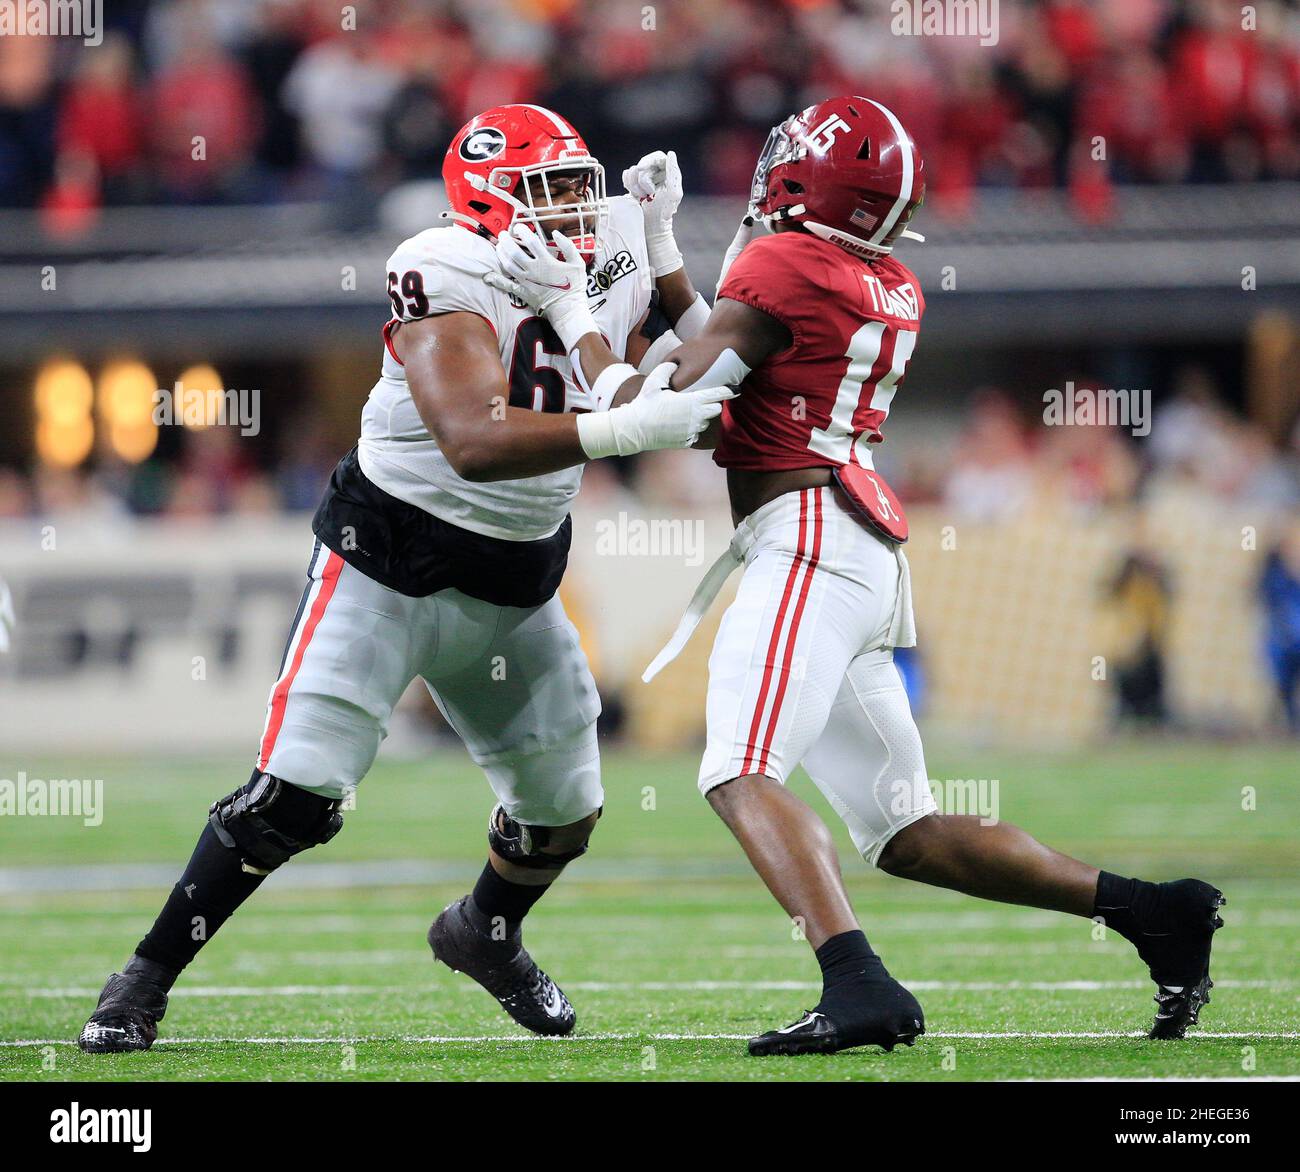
column 1109, row 622
column 1171, row 264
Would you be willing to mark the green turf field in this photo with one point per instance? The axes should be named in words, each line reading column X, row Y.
column 669, row 948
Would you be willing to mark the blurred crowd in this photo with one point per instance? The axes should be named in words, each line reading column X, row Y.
column 264, row 101
column 990, row 459
column 209, row 101
column 1005, row 461
column 989, row 463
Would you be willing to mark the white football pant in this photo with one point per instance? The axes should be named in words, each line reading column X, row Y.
column 513, row 683
column 802, row 667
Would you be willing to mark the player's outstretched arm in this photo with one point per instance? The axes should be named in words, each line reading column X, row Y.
column 459, row 388
column 736, row 338
column 655, row 182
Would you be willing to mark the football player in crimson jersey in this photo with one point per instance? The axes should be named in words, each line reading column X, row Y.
column 441, row 541
column 815, row 323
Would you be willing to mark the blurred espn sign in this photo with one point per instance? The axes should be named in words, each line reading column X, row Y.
column 166, row 635
column 130, row 636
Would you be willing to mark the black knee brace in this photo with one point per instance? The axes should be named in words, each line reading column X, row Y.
column 268, row 821
column 522, row 845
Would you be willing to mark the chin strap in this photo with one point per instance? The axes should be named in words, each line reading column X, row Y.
column 460, row 218
column 797, row 209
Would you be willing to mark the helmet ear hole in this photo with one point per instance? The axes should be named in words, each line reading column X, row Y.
column 479, row 206
column 864, row 151
column 792, row 186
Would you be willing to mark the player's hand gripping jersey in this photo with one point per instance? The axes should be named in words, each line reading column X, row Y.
column 441, row 271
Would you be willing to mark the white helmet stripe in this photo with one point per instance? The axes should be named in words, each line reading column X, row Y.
column 908, row 174
column 566, row 131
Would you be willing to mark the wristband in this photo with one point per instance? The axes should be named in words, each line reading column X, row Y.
column 572, row 324
column 692, row 320
column 657, row 351
column 663, row 254
column 596, row 435
column 608, row 382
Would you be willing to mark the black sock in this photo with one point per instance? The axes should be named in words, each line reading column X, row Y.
column 150, row 970
column 496, row 901
column 212, row 887
column 847, row 960
column 1125, row 904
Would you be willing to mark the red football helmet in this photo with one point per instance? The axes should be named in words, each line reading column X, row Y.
column 492, row 157
column 845, row 169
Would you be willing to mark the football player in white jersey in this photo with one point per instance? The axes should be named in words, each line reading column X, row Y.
column 440, row 544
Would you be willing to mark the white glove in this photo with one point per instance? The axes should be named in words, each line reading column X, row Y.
column 744, row 234
column 554, row 286
column 656, row 183
column 658, row 417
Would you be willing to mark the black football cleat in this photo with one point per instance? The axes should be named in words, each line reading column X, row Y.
column 1178, row 954
column 504, row 969
column 892, row 1015
column 129, row 1010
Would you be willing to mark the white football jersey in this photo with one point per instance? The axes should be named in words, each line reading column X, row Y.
column 441, row 271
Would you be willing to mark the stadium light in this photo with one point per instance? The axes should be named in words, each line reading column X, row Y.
column 65, row 430
column 199, row 383
column 126, row 398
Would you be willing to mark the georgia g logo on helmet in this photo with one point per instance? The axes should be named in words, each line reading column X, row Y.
column 484, row 143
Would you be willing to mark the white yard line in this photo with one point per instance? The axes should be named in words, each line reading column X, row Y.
column 923, row 986
column 239, row 991
column 479, row 1039
column 100, row 877
column 1168, row 1078
column 14, row 988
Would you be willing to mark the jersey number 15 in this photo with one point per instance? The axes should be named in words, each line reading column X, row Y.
column 857, row 391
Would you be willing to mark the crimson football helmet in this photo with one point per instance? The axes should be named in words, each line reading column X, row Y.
column 845, row 169
column 492, row 157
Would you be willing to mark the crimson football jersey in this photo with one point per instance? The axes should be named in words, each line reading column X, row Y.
column 819, row 402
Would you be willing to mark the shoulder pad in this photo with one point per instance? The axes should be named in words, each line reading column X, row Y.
column 440, row 270
column 778, row 277
column 625, row 216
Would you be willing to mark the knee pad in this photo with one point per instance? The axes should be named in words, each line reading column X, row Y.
column 522, row 844
column 268, row 821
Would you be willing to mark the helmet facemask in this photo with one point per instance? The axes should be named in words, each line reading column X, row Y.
column 539, row 209
column 781, row 147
